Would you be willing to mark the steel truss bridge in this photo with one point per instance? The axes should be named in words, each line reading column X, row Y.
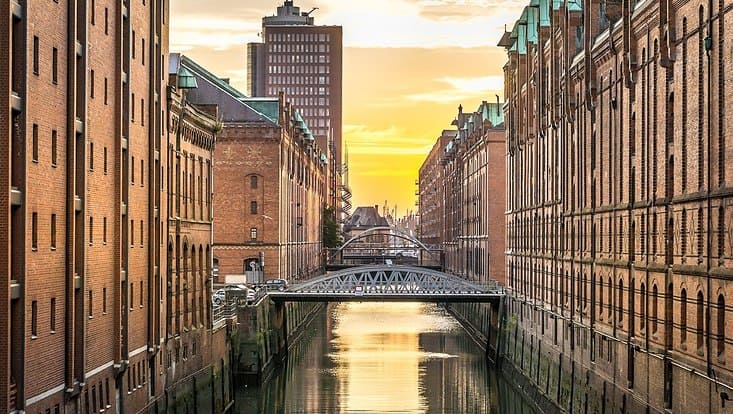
column 383, row 283
column 379, row 244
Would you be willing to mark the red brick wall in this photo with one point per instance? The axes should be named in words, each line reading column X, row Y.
column 613, row 198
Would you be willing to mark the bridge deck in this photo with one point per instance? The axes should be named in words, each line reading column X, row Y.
column 383, row 297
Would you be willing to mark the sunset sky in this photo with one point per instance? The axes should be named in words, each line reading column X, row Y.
column 408, row 64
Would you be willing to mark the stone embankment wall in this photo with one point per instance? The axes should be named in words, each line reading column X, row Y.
column 264, row 334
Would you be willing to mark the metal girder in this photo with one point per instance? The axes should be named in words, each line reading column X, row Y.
column 384, row 280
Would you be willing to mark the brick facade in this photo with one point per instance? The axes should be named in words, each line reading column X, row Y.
column 87, row 218
column 619, row 199
column 462, row 195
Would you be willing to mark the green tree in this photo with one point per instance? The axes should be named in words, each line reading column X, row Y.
column 331, row 234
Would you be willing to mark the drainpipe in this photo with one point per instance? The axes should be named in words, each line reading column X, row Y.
column 709, row 236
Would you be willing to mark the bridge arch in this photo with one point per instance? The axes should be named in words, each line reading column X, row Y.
column 398, row 233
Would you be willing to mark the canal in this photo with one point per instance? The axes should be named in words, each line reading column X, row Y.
column 383, row 358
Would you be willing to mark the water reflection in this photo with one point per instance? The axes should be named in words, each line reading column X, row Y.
column 381, row 358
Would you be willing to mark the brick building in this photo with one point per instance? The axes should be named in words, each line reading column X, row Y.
column 305, row 61
column 83, row 297
column 619, row 202
column 430, row 192
column 269, row 183
column 473, row 195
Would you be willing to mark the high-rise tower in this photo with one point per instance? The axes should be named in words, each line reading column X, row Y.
column 305, row 62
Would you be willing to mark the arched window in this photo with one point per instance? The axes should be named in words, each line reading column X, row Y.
column 253, row 182
column 610, row 299
column 655, row 309
column 600, row 298
column 721, row 324
column 683, row 316
column 642, row 308
column 620, row 302
column 253, row 207
column 700, row 319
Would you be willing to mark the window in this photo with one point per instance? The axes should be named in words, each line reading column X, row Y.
column 34, row 319
column 105, row 160
column 132, row 233
column 91, row 230
column 35, row 143
column 253, row 182
column 91, row 84
column 34, row 231
column 683, row 316
column 700, row 320
column 655, row 309
column 106, row 101
column 93, row 13
column 253, row 233
column 104, row 230
column 106, row 21
column 141, row 293
column 132, row 110
column 142, row 112
column 53, row 231
column 132, row 172
column 131, row 299
column 142, row 173
column 35, row 55
column 142, row 52
column 90, row 310
column 53, row 315
column 54, row 141
column 104, row 301
column 721, row 324
column 55, row 66
column 253, row 207
column 91, row 156
column 620, row 303
column 141, row 233
column 134, row 44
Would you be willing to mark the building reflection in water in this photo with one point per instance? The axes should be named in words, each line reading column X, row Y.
column 382, row 358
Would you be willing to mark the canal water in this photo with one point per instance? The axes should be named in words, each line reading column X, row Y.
column 383, row 358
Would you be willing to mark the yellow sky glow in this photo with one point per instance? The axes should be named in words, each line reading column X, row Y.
column 408, row 64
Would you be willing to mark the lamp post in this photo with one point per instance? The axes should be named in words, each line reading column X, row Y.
column 185, row 80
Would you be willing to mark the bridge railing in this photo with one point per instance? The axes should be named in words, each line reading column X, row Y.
column 225, row 310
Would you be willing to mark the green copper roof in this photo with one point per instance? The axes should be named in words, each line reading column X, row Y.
column 493, row 112
column 532, row 17
column 544, row 13
column 556, row 4
column 269, row 108
column 575, row 5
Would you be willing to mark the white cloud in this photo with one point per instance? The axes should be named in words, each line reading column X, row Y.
column 362, row 140
column 462, row 89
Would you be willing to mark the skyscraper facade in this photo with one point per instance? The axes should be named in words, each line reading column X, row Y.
column 305, row 62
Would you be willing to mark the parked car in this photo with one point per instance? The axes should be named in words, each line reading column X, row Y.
column 219, row 297
column 276, row 284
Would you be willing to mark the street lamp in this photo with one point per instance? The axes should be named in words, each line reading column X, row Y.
column 185, row 80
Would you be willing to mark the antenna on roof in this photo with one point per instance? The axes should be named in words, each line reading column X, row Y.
column 309, row 13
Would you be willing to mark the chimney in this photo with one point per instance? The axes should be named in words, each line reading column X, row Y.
column 376, row 207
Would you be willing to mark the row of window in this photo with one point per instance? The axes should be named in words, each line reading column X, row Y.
column 97, row 394
column 308, row 60
column 298, row 48
column 311, row 112
column 560, row 293
column 299, row 37
column 35, row 225
column 37, row 60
